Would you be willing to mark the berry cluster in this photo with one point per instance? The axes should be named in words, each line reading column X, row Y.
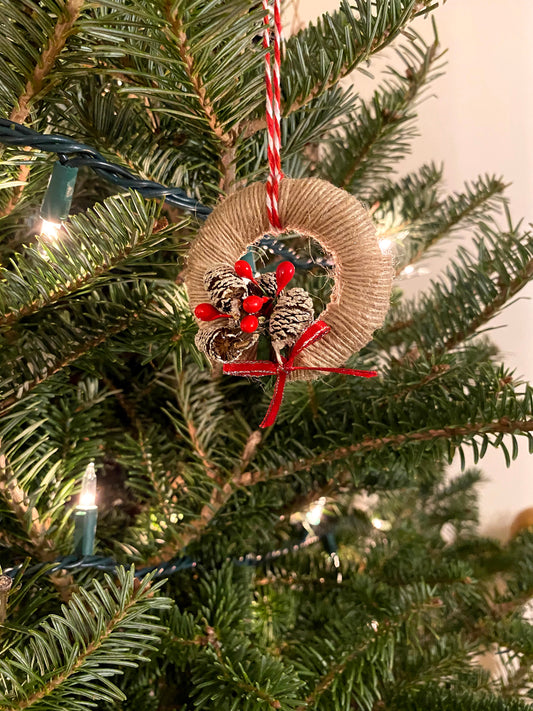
column 233, row 300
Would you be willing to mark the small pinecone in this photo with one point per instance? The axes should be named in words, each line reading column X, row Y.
column 290, row 317
column 226, row 290
column 224, row 343
column 268, row 285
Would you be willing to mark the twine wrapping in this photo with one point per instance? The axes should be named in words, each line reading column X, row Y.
column 334, row 218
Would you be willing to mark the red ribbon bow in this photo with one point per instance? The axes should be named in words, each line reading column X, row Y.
column 315, row 332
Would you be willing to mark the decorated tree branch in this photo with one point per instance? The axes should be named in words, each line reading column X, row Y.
column 225, row 433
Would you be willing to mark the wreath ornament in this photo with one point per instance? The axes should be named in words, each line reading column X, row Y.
column 233, row 305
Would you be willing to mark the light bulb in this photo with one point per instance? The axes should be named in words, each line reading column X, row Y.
column 88, row 488
column 409, row 269
column 381, row 525
column 314, row 515
column 50, row 230
column 385, row 244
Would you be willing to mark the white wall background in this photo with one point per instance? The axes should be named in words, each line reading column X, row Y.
column 481, row 122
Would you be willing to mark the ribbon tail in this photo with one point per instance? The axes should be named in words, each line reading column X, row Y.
column 275, row 403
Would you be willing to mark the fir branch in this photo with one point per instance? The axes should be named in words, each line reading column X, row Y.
column 34, row 85
column 474, row 288
column 62, row 30
column 333, row 673
column 250, row 448
column 501, row 426
column 98, row 626
column 198, row 437
column 505, row 293
column 376, row 134
column 220, row 495
column 228, row 673
column 36, row 280
column 60, row 364
column 179, row 34
column 397, row 206
column 476, row 202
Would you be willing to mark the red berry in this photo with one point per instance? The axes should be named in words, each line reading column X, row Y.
column 207, row 312
column 284, row 273
column 249, row 323
column 244, row 270
column 252, row 304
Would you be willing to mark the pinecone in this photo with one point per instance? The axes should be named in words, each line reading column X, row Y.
column 268, row 285
column 226, row 290
column 290, row 317
column 224, row 343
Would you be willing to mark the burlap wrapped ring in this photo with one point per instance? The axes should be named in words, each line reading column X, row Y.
column 334, row 218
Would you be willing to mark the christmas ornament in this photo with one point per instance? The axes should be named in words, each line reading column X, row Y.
column 522, row 522
column 309, row 207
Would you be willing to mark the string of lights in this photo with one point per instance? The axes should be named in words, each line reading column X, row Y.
column 85, row 517
column 163, row 570
column 72, row 155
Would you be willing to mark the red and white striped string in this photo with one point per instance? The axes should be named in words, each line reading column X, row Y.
column 273, row 111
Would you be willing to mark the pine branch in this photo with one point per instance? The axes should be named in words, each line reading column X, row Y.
column 475, row 287
column 179, row 35
column 459, row 210
column 68, row 661
column 45, row 274
column 35, row 83
column 502, row 426
column 376, row 135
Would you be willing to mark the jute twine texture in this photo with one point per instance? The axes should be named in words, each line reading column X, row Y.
column 335, row 219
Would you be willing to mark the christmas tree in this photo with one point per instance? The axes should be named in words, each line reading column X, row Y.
column 326, row 562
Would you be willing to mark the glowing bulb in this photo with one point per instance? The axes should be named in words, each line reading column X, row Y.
column 314, row 515
column 88, row 488
column 381, row 525
column 50, row 230
column 409, row 269
column 385, row 244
